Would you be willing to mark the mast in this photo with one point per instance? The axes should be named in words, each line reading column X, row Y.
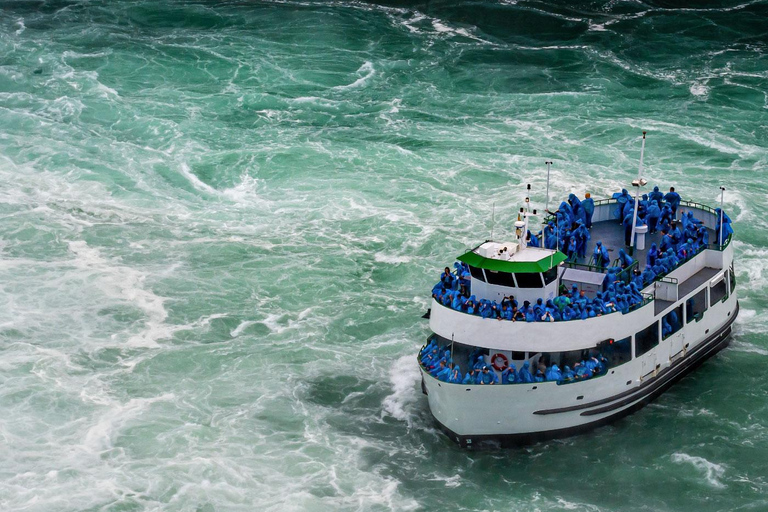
column 639, row 182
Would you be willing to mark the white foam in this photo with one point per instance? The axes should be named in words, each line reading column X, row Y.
column 195, row 181
column 393, row 259
column 699, row 90
column 100, row 436
column 368, row 72
column 22, row 27
column 404, row 376
column 712, row 472
column 125, row 284
column 237, row 331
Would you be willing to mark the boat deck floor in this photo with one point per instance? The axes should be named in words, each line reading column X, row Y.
column 611, row 234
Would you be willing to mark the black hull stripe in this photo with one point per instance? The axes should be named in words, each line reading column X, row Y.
column 666, row 373
column 508, row 440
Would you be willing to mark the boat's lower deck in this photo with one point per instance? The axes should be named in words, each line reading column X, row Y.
column 523, row 413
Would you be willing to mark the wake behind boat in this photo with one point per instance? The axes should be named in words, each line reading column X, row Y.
column 558, row 332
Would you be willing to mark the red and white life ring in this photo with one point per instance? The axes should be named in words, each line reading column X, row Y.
column 499, row 361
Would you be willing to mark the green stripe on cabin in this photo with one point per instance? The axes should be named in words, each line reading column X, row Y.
column 475, row 260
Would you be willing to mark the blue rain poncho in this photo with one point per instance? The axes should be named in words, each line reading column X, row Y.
column 656, row 195
column 654, row 214
column 488, row 376
column 509, row 375
column 600, row 255
column 666, row 329
column 622, row 198
column 469, row 377
column 625, row 260
column 554, row 373
column 673, row 198
column 727, row 228
column 568, row 373
column 524, row 375
column 581, row 234
column 578, row 210
column 589, row 209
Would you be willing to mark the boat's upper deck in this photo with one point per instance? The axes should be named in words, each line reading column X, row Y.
column 622, row 287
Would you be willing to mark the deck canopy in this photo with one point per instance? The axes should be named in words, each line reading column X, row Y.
column 506, row 257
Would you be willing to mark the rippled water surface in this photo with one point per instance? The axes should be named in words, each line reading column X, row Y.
column 221, row 223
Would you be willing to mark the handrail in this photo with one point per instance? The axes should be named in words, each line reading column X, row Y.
column 635, row 307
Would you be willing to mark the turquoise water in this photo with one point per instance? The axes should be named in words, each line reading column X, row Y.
column 221, row 223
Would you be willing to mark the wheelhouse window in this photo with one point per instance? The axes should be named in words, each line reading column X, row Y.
column 500, row 278
column 550, row 275
column 672, row 322
column 646, row 339
column 696, row 306
column 529, row 280
column 718, row 292
column 477, row 273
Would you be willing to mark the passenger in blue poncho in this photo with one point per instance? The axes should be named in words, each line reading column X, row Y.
column 600, row 256
column 629, row 217
column 469, row 377
column 727, row 228
column 666, row 329
column 656, row 195
column 588, row 204
column 673, row 198
column 581, row 234
column 455, row 377
column 567, row 212
column 488, row 377
column 571, row 250
column 439, row 368
column 622, row 199
column 568, row 374
column 652, row 256
column 625, row 260
column 578, row 210
column 509, row 375
column 524, row 375
column 654, row 214
column 553, row 373
column 447, row 279
column 532, row 240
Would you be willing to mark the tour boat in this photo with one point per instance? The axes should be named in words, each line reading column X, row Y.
column 625, row 359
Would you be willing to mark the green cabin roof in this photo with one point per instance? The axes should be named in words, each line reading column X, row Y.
column 475, row 260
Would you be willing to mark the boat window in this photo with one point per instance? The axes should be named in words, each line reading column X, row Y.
column 518, row 356
column 529, row 280
column 500, row 278
column 672, row 322
column 569, row 358
column 732, row 278
column 718, row 292
column 616, row 351
column 550, row 275
column 646, row 339
column 477, row 273
column 696, row 306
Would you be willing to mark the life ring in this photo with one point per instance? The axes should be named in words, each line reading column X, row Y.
column 495, row 362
